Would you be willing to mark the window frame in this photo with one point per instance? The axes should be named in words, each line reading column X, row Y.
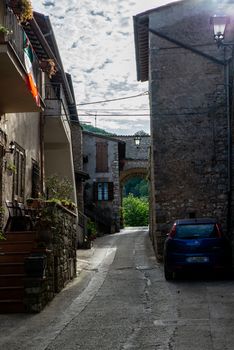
column 103, row 191
column 19, row 162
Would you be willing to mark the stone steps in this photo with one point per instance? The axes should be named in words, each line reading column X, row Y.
column 11, row 306
column 13, row 251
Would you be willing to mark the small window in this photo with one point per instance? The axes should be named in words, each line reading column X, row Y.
column 103, row 191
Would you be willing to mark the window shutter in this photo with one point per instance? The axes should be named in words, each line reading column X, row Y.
column 110, row 191
column 95, row 191
column 101, row 157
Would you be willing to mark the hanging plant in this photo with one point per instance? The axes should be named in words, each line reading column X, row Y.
column 48, row 66
column 11, row 168
column 23, row 9
column 4, row 32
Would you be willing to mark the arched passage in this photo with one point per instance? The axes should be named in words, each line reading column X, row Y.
column 133, row 172
column 131, row 184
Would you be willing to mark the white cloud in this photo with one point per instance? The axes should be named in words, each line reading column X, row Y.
column 97, row 48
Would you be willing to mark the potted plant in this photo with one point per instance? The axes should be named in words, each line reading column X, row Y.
column 48, row 66
column 3, row 33
column 60, row 190
column 11, row 168
column 34, row 203
column 23, row 9
column 68, row 204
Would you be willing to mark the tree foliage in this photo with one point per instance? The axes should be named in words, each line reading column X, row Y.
column 93, row 129
column 135, row 211
column 137, row 186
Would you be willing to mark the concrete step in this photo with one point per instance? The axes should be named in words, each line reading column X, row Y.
column 13, row 257
column 12, row 246
column 12, row 293
column 12, row 268
column 11, row 306
column 12, row 280
column 21, row 236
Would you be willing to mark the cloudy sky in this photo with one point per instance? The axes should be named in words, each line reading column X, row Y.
column 96, row 43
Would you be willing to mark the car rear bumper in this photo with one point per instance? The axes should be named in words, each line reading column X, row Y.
column 177, row 262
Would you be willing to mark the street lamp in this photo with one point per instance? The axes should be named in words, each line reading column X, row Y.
column 220, row 23
column 137, row 140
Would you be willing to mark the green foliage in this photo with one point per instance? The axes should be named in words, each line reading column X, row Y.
column 91, row 229
column 95, row 130
column 136, row 186
column 58, row 188
column 11, row 167
column 5, row 30
column 135, row 211
column 2, row 237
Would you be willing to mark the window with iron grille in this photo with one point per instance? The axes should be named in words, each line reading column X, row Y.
column 103, row 191
column 19, row 175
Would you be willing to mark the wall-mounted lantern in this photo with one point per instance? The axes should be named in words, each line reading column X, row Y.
column 219, row 23
column 11, row 148
column 137, row 140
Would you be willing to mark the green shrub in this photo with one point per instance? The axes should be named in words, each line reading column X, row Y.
column 135, row 211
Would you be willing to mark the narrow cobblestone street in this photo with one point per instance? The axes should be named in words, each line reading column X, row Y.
column 120, row 300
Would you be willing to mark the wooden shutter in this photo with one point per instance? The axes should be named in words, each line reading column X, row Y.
column 95, row 191
column 110, row 191
column 101, row 157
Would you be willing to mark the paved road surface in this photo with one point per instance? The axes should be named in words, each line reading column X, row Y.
column 120, row 301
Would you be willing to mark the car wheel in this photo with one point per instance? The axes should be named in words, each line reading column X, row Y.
column 169, row 275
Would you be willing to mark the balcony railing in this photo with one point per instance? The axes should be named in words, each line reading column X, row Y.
column 55, row 92
column 16, row 39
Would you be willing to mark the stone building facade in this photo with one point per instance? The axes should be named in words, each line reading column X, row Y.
column 102, row 190
column 176, row 53
column 135, row 162
column 35, row 115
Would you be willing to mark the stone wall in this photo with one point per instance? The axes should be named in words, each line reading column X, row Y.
column 189, row 123
column 140, row 152
column 57, row 246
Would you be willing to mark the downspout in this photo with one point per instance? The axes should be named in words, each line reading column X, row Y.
column 42, row 154
column 229, row 142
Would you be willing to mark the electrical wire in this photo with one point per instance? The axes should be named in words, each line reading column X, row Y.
column 114, row 99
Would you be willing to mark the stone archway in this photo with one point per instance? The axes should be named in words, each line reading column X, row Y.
column 129, row 174
column 132, row 172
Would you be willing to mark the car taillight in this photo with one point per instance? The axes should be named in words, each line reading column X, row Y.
column 172, row 233
column 218, row 230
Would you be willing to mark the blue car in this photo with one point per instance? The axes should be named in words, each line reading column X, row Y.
column 193, row 244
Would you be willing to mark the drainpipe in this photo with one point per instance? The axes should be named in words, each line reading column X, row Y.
column 229, row 142
column 42, row 153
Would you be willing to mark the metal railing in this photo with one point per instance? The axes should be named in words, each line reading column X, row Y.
column 16, row 40
column 55, row 91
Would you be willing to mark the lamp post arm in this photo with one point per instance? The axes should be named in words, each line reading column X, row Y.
column 187, row 47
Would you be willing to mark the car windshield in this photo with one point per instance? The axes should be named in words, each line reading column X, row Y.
column 196, row 231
